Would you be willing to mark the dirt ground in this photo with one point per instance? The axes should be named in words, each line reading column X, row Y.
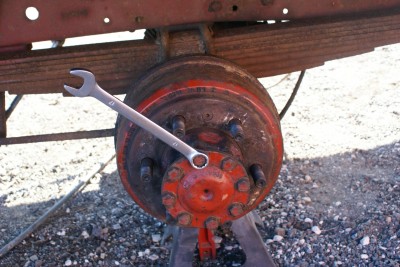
column 336, row 201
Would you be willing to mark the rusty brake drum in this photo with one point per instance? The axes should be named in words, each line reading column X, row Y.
column 219, row 109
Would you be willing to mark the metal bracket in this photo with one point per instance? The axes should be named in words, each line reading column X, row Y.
column 245, row 230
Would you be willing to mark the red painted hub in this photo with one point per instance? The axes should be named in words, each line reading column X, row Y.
column 222, row 111
column 208, row 194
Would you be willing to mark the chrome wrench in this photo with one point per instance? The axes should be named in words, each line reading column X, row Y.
column 91, row 88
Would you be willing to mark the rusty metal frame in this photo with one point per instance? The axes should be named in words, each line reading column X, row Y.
column 62, row 19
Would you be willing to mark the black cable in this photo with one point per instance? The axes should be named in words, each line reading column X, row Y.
column 292, row 96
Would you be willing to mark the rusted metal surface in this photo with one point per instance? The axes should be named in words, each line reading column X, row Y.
column 3, row 119
column 57, row 137
column 263, row 50
column 206, row 244
column 208, row 93
column 207, row 197
column 61, row 19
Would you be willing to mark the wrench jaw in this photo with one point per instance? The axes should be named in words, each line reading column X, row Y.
column 89, row 83
column 199, row 160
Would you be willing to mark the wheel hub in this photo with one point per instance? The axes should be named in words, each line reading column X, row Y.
column 220, row 110
column 218, row 192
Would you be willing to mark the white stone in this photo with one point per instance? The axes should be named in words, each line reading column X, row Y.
column 364, row 256
column 85, row 234
column 153, row 257
column 307, row 200
column 278, row 238
column 103, row 256
column 68, row 262
column 307, row 220
column 147, row 251
column 229, row 248
column 217, row 239
column 156, row 238
column 316, row 230
column 62, row 233
column 364, row 241
column 140, row 254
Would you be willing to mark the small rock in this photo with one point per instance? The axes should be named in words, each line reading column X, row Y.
column 307, row 179
column 388, row 219
column 103, row 256
column 217, row 239
column 278, row 238
column 61, row 233
column 140, row 254
column 27, row 264
column 307, row 200
column 33, row 258
column 280, row 231
column 68, row 262
column 68, row 210
column 364, row 256
column 338, row 203
column 336, row 218
column 229, row 248
column 308, row 220
column 116, row 226
column 147, row 251
column 309, row 249
column 85, row 235
column 153, row 257
column 364, row 241
column 156, row 238
column 116, row 263
column 316, row 230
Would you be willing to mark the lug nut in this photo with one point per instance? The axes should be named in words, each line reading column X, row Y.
column 243, row 185
column 184, row 219
column 236, row 209
column 146, row 170
column 178, row 126
column 168, row 199
column 236, row 129
column 174, row 174
column 228, row 164
column 258, row 175
column 212, row 223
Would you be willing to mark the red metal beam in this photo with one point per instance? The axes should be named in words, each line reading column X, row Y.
column 59, row 19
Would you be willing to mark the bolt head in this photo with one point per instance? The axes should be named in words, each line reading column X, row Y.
column 236, row 209
column 243, row 185
column 228, row 164
column 212, row 223
column 168, row 199
column 174, row 174
column 184, row 219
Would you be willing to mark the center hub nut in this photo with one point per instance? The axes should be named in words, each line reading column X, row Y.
column 210, row 196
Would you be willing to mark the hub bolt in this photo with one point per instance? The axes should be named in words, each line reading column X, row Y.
column 174, row 174
column 184, row 219
column 243, row 185
column 228, row 164
column 258, row 175
column 168, row 199
column 146, row 170
column 236, row 129
column 236, row 209
column 212, row 223
column 178, row 126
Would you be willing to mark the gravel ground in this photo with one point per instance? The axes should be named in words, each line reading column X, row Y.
column 336, row 201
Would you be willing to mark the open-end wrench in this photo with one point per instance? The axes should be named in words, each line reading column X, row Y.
column 91, row 88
